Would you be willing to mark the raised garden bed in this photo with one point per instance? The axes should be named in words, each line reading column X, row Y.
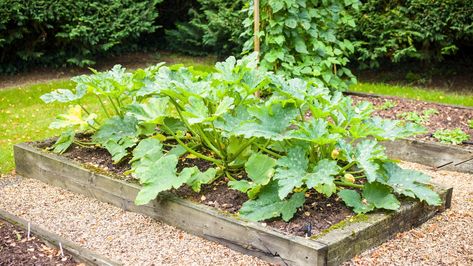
column 424, row 148
column 331, row 246
column 40, row 247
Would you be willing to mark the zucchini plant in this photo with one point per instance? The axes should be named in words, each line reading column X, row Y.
column 295, row 137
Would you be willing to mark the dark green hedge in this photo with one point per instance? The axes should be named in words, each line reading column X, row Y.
column 423, row 30
column 69, row 31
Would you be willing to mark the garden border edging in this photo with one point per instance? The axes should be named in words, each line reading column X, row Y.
column 332, row 248
column 79, row 253
column 436, row 155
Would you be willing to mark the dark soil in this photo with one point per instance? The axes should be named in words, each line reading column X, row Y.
column 318, row 213
column 16, row 249
column 448, row 117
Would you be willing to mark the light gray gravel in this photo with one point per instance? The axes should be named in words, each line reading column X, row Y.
column 447, row 239
column 122, row 236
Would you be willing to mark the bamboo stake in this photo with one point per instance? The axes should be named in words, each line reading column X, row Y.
column 256, row 27
column 256, row 37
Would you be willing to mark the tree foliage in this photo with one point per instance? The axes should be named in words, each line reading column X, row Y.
column 301, row 38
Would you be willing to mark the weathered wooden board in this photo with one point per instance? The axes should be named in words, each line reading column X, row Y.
column 248, row 237
column 440, row 156
column 79, row 253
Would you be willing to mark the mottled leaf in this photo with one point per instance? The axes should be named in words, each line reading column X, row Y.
column 268, row 205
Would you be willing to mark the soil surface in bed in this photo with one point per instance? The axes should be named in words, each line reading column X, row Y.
column 17, row 249
column 448, row 117
column 317, row 214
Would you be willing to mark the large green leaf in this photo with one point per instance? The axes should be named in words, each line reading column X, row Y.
column 152, row 111
column 380, row 196
column 119, row 148
column 196, row 111
column 157, row 177
column 411, row 183
column 195, row 178
column 360, row 129
column 146, row 152
column 322, row 177
column 64, row 95
column 353, row 199
column 315, row 131
column 269, row 121
column 75, row 117
column 224, row 106
column 64, row 141
column 375, row 195
column 117, row 134
column 260, row 169
column 291, row 170
column 268, row 205
column 395, row 129
column 367, row 154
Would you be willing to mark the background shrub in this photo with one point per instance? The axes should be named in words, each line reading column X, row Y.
column 69, row 31
column 422, row 30
column 300, row 38
column 214, row 27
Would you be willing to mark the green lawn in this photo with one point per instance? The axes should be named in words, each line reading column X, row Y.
column 429, row 95
column 24, row 117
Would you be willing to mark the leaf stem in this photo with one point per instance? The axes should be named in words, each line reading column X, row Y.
column 269, row 151
column 208, row 142
column 346, row 184
column 103, row 106
column 178, row 109
column 242, row 148
column 83, row 108
column 346, row 167
column 199, row 155
column 229, row 176
column 117, row 111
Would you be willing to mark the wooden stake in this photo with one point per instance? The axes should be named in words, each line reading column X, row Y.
column 256, row 27
column 256, row 37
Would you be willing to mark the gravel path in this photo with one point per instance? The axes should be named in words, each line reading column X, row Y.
column 122, row 236
column 447, row 239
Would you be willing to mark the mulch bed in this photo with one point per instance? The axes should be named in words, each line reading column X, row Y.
column 17, row 249
column 448, row 117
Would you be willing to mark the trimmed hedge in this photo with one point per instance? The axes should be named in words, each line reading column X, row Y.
column 70, row 32
column 423, row 30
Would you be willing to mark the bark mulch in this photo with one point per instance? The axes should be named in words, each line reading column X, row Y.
column 17, row 249
column 448, row 117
